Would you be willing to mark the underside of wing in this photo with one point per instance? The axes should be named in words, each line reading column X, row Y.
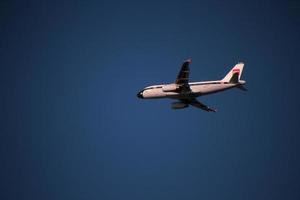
column 194, row 102
column 183, row 75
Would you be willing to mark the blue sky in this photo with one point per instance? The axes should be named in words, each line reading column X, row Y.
column 72, row 127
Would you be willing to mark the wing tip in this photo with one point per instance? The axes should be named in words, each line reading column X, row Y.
column 189, row 60
column 212, row 110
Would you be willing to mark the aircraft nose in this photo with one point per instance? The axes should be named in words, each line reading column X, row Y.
column 140, row 95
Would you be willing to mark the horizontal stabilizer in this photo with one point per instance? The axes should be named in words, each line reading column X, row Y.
column 241, row 87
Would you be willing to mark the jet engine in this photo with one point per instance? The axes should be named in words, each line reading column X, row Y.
column 179, row 105
column 170, row 87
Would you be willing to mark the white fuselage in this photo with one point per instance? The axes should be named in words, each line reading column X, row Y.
column 196, row 89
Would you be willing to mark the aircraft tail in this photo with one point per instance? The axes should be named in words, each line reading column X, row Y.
column 234, row 74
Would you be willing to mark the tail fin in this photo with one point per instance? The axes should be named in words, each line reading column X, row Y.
column 235, row 74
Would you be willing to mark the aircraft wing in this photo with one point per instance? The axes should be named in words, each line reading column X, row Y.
column 183, row 75
column 194, row 102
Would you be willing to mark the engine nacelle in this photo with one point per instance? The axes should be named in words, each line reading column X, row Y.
column 170, row 87
column 179, row 105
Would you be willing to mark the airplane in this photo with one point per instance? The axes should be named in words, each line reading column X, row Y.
column 186, row 92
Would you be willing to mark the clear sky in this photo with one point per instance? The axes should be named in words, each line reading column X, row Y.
column 73, row 128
